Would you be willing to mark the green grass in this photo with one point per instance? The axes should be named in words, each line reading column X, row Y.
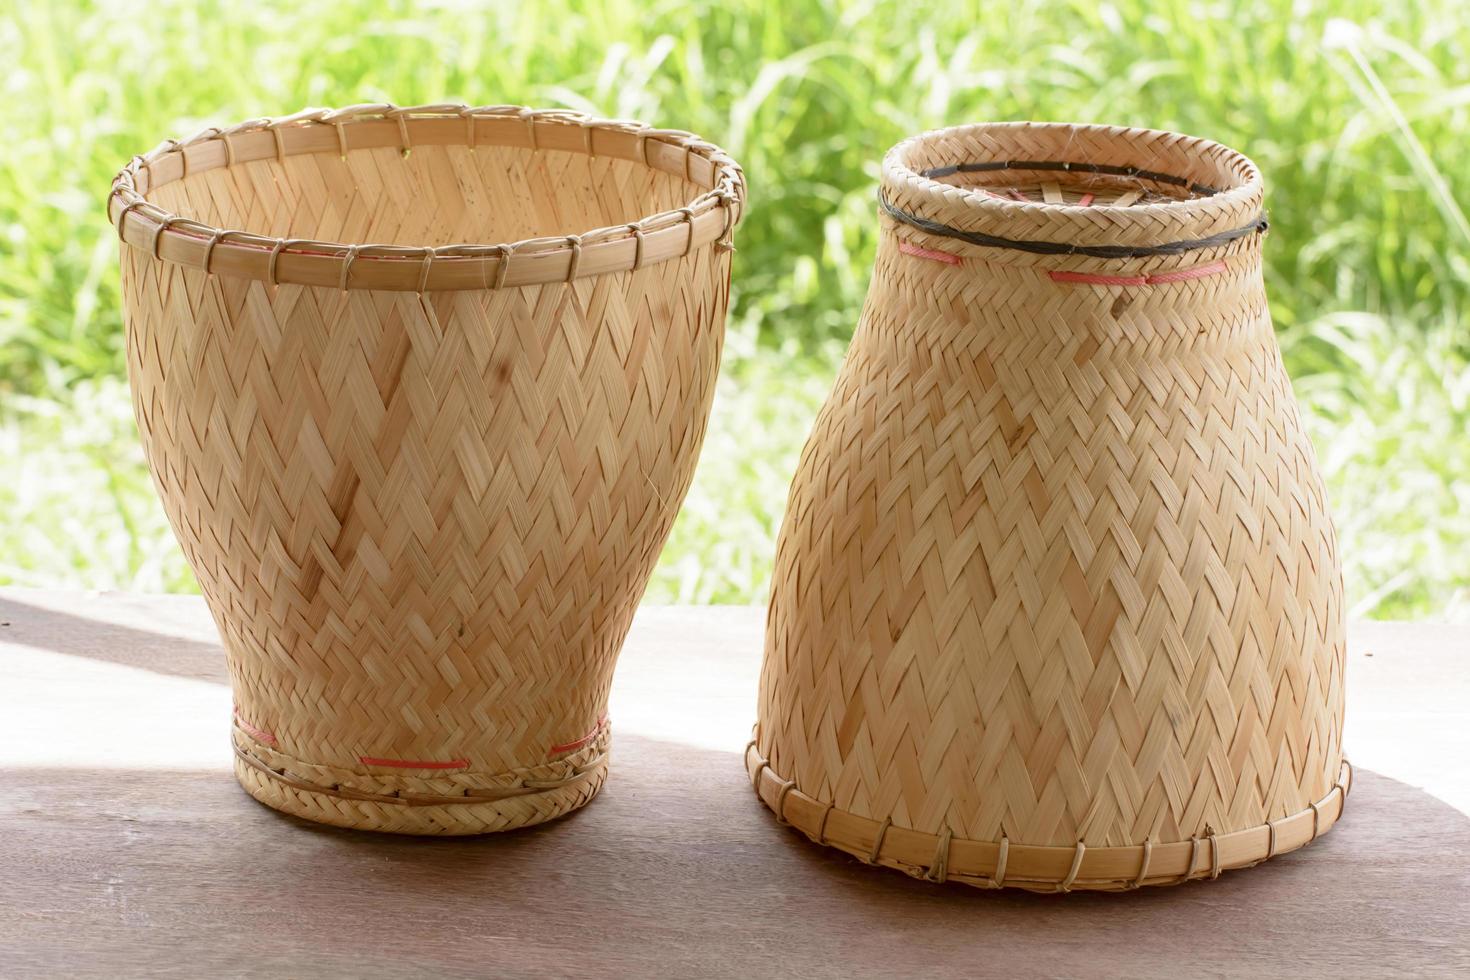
column 1355, row 110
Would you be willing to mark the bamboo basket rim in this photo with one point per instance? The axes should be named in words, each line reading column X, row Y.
column 910, row 188
column 1045, row 868
column 710, row 216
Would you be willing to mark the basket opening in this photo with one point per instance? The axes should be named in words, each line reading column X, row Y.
column 435, row 196
column 1040, row 192
column 1069, row 183
column 1071, row 165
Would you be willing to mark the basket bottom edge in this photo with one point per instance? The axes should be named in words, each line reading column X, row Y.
column 1045, row 869
column 437, row 820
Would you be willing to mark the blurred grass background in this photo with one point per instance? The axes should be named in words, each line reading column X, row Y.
column 1356, row 111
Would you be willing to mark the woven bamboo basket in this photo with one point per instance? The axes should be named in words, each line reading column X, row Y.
column 423, row 483
column 1057, row 602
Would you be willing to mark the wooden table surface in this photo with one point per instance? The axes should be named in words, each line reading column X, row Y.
column 126, row 848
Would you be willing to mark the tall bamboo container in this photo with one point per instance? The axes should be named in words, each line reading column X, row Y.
column 1057, row 601
column 423, row 480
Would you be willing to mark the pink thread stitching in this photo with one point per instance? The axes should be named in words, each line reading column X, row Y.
column 1178, row 275
column 1197, row 272
column 571, row 746
column 929, row 253
column 259, row 734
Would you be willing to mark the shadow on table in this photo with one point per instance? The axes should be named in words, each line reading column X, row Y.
column 78, row 635
column 675, row 869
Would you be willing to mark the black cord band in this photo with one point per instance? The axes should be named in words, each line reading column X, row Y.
column 1257, row 226
column 1110, row 170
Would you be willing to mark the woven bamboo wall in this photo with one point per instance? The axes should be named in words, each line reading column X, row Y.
column 1057, row 565
column 423, row 519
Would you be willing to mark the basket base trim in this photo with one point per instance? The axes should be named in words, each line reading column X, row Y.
column 421, row 814
column 1004, row 864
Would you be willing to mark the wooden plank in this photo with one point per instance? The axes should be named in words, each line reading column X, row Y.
column 126, row 848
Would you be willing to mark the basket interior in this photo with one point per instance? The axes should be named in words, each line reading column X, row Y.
column 434, row 196
column 1070, row 188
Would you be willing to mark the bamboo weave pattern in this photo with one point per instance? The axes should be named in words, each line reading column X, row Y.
column 1057, row 574
column 423, row 517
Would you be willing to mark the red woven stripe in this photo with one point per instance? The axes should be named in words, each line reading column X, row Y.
column 928, row 253
column 259, row 734
column 1197, row 272
column 570, row 746
column 1178, row 275
column 368, row 760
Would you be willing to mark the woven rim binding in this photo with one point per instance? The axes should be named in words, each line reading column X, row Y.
column 1003, row 864
column 710, row 217
column 1227, row 205
column 1256, row 227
